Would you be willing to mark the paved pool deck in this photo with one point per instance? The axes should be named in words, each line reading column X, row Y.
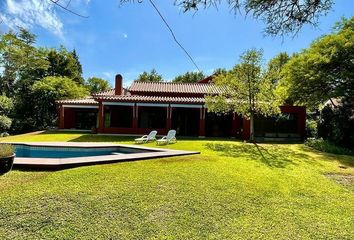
column 60, row 163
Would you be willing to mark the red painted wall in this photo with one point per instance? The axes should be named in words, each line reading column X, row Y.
column 69, row 122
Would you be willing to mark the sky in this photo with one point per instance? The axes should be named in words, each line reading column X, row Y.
column 131, row 38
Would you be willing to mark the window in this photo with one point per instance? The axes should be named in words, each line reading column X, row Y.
column 121, row 116
column 285, row 123
column 85, row 120
column 152, row 117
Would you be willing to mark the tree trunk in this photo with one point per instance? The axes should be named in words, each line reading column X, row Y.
column 252, row 127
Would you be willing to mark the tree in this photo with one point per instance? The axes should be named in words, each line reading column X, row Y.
column 76, row 57
column 281, row 16
column 22, row 62
column 336, row 124
column 48, row 90
column 152, row 76
column 23, row 65
column 245, row 90
column 322, row 72
column 275, row 67
column 63, row 63
column 96, row 85
column 219, row 71
column 6, row 106
column 189, row 77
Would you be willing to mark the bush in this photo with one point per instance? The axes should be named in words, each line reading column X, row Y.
column 311, row 128
column 337, row 123
column 4, row 134
column 326, row 146
column 5, row 122
column 6, row 150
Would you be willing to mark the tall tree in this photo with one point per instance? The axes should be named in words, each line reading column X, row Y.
column 219, row 71
column 151, row 76
column 189, row 77
column 245, row 90
column 64, row 64
column 275, row 67
column 76, row 57
column 280, row 16
column 323, row 71
column 48, row 90
column 6, row 106
column 95, row 85
column 22, row 62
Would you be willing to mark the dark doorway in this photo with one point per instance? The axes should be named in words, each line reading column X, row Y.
column 85, row 120
column 186, row 121
column 152, row 117
column 283, row 125
column 218, row 125
column 119, row 116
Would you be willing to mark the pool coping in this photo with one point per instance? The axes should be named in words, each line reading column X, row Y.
column 84, row 161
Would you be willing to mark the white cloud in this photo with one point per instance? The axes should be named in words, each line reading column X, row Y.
column 30, row 13
column 125, row 35
column 108, row 74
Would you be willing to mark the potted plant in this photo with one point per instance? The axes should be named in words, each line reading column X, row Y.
column 7, row 156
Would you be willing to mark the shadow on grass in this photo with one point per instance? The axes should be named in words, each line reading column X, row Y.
column 102, row 138
column 346, row 160
column 114, row 138
column 271, row 155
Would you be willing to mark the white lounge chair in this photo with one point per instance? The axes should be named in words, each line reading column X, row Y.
column 169, row 138
column 147, row 138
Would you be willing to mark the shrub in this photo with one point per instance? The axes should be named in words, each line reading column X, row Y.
column 5, row 122
column 311, row 128
column 6, row 150
column 4, row 134
column 337, row 123
column 326, row 146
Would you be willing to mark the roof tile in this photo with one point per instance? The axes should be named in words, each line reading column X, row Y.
column 157, row 99
column 85, row 101
column 168, row 87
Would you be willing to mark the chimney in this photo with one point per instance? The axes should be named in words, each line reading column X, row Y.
column 119, row 85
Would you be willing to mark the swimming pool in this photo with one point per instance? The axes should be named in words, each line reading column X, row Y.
column 72, row 154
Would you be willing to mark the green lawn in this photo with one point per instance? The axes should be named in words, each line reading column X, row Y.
column 233, row 190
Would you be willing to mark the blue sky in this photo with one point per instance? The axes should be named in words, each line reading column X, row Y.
column 131, row 38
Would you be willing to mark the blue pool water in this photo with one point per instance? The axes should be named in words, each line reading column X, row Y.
column 69, row 152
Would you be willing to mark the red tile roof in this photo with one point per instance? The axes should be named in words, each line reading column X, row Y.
column 168, row 87
column 85, row 101
column 111, row 92
column 155, row 99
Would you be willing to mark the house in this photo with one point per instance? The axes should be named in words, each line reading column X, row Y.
column 147, row 106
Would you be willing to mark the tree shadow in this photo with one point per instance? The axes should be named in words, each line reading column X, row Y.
column 346, row 160
column 102, row 138
column 270, row 155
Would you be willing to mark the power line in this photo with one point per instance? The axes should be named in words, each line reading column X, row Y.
column 57, row 3
column 173, row 35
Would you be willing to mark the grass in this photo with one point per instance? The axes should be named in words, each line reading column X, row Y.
column 232, row 190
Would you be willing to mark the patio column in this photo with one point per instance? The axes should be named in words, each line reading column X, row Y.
column 301, row 124
column 61, row 117
column 246, row 129
column 235, row 125
column 135, row 118
column 202, row 122
column 100, row 118
column 169, row 118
